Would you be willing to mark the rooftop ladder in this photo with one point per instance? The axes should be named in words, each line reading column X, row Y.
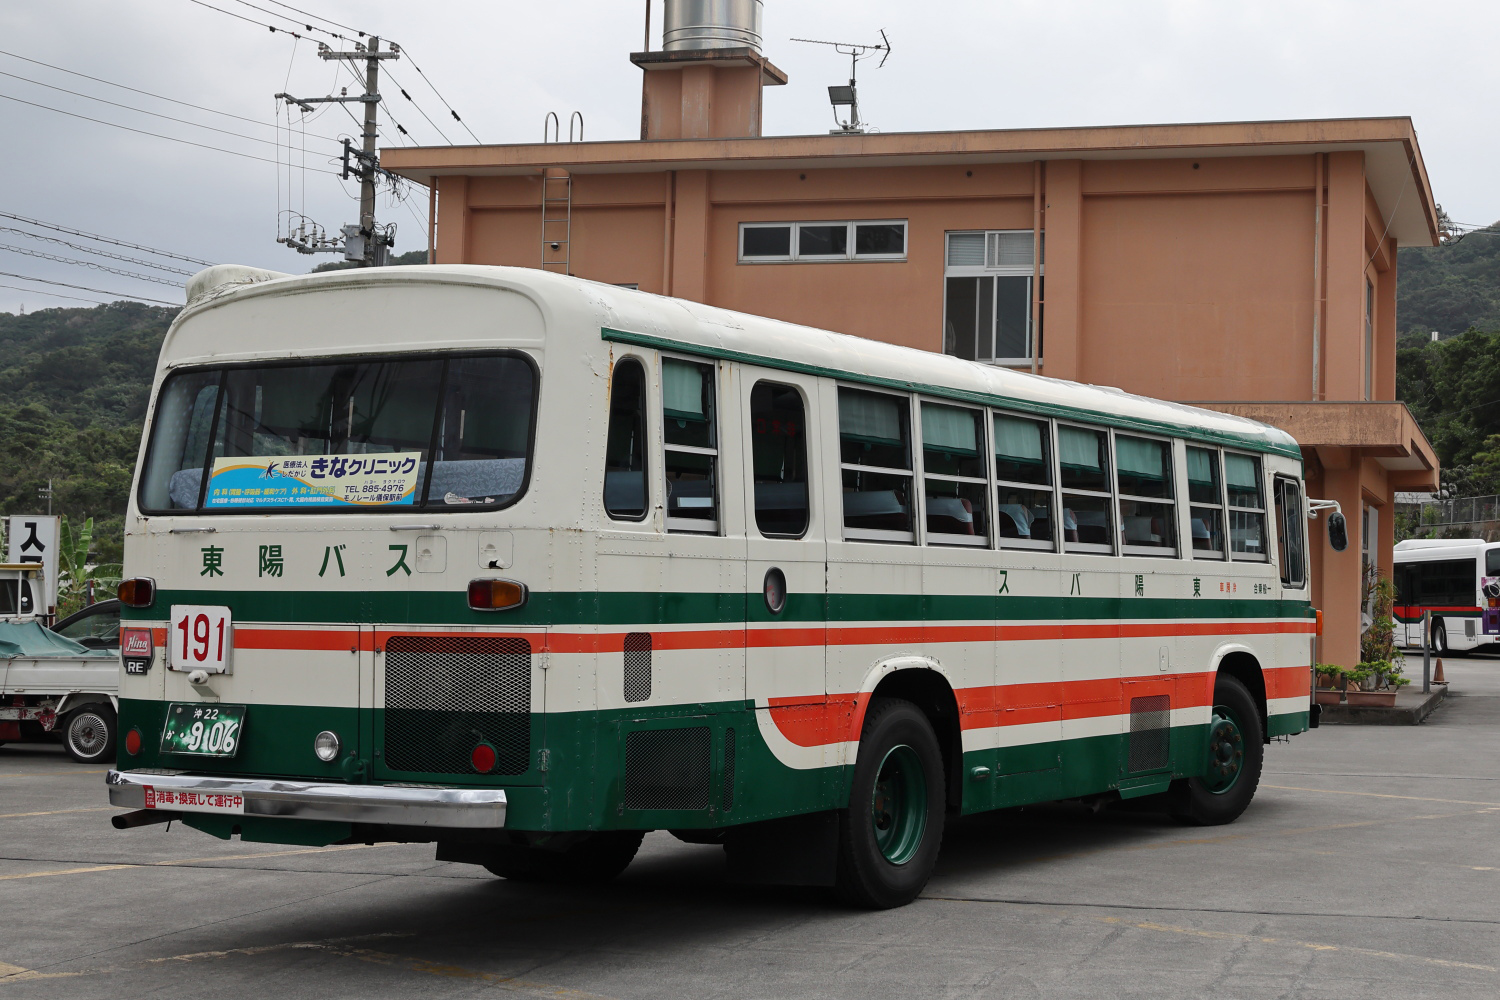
column 557, row 219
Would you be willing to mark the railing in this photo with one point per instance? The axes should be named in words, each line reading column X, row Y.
column 1460, row 510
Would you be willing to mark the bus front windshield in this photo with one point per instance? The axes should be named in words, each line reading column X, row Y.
column 363, row 434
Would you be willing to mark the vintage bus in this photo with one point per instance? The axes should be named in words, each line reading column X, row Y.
column 1458, row 580
column 525, row 566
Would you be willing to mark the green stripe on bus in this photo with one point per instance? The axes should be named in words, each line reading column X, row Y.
column 634, row 608
column 1188, row 431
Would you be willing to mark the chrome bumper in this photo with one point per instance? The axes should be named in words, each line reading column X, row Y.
column 465, row 808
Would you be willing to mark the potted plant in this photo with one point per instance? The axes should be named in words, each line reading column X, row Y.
column 1377, row 648
column 1330, row 683
column 1370, row 676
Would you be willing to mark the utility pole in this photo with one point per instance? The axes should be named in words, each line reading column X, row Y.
column 366, row 244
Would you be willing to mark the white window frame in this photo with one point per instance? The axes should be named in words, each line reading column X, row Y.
column 692, row 525
column 1108, row 494
column 1029, row 271
column 1170, row 500
column 1051, row 488
column 795, row 239
column 1222, row 506
column 982, row 481
column 1264, row 510
column 913, row 474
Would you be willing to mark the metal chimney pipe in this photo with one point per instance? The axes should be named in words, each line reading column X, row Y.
column 711, row 24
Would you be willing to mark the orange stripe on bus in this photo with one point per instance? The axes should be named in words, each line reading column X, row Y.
column 987, row 707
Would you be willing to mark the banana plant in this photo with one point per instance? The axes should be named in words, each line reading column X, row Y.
column 75, row 573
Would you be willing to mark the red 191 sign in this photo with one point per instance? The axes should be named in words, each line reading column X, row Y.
column 200, row 638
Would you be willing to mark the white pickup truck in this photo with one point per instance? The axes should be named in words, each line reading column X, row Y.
column 66, row 677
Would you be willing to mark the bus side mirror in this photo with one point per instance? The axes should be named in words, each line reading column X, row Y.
column 1338, row 532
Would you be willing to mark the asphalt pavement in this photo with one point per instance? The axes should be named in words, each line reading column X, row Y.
column 1368, row 866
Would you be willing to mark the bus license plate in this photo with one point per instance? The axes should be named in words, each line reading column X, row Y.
column 203, row 730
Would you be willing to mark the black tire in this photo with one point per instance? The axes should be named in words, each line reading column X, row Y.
column 1439, row 638
column 89, row 734
column 596, row 858
column 1202, row 801
column 897, row 749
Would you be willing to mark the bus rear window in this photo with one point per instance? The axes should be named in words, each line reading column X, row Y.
column 362, row 434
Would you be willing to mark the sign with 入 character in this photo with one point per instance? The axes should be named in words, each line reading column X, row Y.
column 384, row 480
column 33, row 538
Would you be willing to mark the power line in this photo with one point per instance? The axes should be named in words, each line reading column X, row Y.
column 57, row 295
column 417, row 106
column 318, row 17
column 158, row 135
column 154, row 114
column 136, row 90
column 101, row 253
column 89, row 263
column 102, row 239
column 335, row 34
column 85, row 288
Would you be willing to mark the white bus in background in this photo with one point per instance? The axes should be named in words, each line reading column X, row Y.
column 1458, row 580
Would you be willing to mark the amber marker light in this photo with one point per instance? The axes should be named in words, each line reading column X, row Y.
column 496, row 595
column 138, row 592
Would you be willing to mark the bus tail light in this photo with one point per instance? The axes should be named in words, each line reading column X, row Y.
column 496, row 595
column 1320, row 625
column 138, row 592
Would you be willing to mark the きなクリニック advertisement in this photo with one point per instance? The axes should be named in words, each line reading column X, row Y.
column 385, row 480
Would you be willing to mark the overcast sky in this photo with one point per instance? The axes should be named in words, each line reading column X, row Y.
column 503, row 65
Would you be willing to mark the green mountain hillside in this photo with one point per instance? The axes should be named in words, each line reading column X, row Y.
column 1450, row 288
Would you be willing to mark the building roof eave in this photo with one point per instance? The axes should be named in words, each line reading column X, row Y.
column 1394, row 166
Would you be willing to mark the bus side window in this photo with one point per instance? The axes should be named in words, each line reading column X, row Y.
column 625, row 494
column 690, row 466
column 1247, row 508
column 876, row 461
column 778, row 449
column 1290, row 527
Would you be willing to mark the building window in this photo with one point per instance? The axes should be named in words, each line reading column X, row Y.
column 773, row 242
column 987, row 296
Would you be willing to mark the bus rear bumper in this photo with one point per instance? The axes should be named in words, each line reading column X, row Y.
column 461, row 808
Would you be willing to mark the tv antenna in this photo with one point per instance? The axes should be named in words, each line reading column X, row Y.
column 848, row 97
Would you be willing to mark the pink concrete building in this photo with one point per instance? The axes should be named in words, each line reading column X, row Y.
column 1249, row 267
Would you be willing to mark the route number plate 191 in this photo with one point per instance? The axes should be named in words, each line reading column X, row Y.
column 201, row 637
column 203, row 730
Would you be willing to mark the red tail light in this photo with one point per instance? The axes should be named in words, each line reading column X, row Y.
column 139, row 592
column 496, row 595
column 133, row 742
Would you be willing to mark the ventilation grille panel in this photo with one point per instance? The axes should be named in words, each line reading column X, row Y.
column 1150, row 733
column 729, row 769
column 444, row 695
column 638, row 666
column 668, row 768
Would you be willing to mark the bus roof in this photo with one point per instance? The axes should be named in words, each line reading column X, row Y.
column 1423, row 549
column 628, row 316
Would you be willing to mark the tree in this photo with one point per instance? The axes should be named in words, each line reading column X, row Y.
column 73, row 569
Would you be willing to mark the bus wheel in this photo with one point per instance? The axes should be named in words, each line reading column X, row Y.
column 89, row 735
column 598, row 857
column 890, row 834
column 1234, row 750
column 1439, row 638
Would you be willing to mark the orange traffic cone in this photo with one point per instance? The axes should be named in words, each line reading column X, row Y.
column 1437, row 672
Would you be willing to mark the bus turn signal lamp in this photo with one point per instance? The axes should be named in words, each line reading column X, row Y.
column 496, row 595
column 138, row 592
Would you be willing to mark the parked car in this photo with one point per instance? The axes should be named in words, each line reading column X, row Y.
column 63, row 680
